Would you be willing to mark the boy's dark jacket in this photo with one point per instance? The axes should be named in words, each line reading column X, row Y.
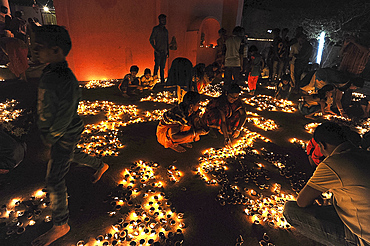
column 58, row 98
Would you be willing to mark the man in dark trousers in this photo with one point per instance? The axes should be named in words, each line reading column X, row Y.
column 159, row 40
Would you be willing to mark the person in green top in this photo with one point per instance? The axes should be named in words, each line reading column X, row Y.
column 59, row 124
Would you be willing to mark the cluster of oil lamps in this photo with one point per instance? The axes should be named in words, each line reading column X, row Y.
column 310, row 128
column 102, row 139
column 213, row 90
column 152, row 219
column 163, row 97
column 268, row 103
column 356, row 96
column 174, row 174
column 8, row 112
column 299, row 142
column 22, row 212
column 262, row 123
column 93, row 84
column 218, row 167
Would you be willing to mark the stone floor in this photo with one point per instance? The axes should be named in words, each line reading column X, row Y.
column 207, row 220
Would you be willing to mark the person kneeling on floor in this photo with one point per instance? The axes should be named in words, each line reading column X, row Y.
column 181, row 125
column 345, row 172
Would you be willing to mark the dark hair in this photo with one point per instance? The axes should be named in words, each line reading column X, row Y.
column 209, row 71
column 18, row 14
column 238, row 30
column 162, row 16
column 331, row 133
column 222, row 31
column 4, row 9
column 134, row 68
column 285, row 30
column 286, row 77
column 253, row 48
column 147, row 71
column 234, row 88
column 352, row 136
column 190, row 98
column 357, row 81
column 53, row 35
column 321, row 92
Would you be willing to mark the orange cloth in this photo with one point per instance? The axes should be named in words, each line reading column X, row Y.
column 165, row 132
column 314, row 151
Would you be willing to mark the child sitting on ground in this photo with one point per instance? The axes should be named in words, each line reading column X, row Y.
column 147, row 81
column 284, row 88
column 322, row 101
column 130, row 82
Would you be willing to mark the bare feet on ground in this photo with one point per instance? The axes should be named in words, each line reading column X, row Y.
column 178, row 148
column 50, row 236
column 97, row 175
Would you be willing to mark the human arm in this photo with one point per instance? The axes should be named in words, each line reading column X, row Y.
column 224, row 128
column 57, row 108
column 307, row 196
column 338, row 103
column 243, row 118
column 152, row 38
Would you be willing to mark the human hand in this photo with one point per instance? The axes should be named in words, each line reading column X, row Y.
column 227, row 142
column 201, row 132
column 322, row 202
column 236, row 134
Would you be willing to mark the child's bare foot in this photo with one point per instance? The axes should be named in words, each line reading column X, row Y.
column 97, row 175
column 178, row 148
column 50, row 236
column 187, row 145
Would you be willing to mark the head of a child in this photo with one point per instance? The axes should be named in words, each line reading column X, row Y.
column 233, row 93
column 147, row 73
column 356, row 83
column 190, row 102
column 326, row 91
column 253, row 50
column 286, row 79
column 51, row 43
column 134, row 70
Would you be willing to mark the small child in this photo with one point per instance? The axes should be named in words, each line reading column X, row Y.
column 59, row 123
column 284, row 87
column 256, row 63
column 147, row 81
column 130, row 82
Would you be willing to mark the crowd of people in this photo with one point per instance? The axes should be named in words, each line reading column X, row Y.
column 339, row 154
column 15, row 35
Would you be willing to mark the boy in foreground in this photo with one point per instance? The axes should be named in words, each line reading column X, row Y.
column 59, row 124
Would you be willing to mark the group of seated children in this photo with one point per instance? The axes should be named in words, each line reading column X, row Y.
column 183, row 124
column 132, row 85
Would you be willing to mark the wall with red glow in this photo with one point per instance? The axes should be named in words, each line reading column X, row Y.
column 110, row 36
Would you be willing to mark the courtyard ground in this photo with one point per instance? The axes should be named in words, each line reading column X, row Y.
column 213, row 214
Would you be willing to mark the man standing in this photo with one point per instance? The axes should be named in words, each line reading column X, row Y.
column 345, row 172
column 234, row 50
column 159, row 40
